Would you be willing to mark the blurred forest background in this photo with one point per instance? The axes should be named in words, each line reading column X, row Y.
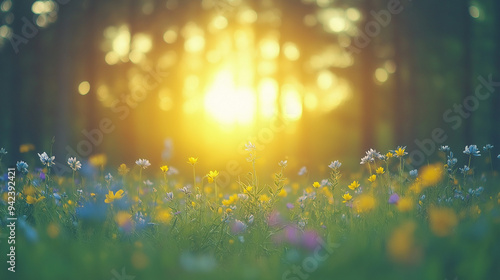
column 168, row 79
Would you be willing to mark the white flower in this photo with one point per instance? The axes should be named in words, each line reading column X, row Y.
column 283, row 163
column 144, row 163
column 249, row 147
column 74, row 164
column 335, row 164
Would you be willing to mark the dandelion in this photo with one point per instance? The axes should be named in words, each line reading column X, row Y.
column 24, row 148
column 472, row 150
column 347, row 197
column 110, row 197
column 380, row 170
column 414, row 173
column 316, row 185
column 22, row 167
column 354, row 185
column 74, row 164
column 143, row 163
column 123, row 169
column 335, row 165
column 372, row 178
column 46, row 160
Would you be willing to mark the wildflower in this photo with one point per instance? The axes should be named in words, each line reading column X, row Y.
column 290, row 205
column 74, row 164
column 354, row 185
column 389, row 155
column 325, row 182
column 400, row 152
column 164, row 169
column 143, row 163
column 108, row 177
column 46, row 160
column 149, row 184
column 335, row 165
column 238, row 227
column 124, row 220
column 442, row 221
column 394, row 198
column 24, row 148
column 365, row 203
column 283, row 193
column 283, row 163
column 212, row 175
column 32, row 200
column 444, row 148
column 364, row 160
column 249, row 147
column 347, row 197
column 414, row 173
column 404, row 204
column 192, row 160
column 163, row 216
column 401, row 244
column 92, row 194
column 316, row 185
column 110, row 197
column 372, row 178
column 372, row 154
column 380, row 170
column 464, row 170
column 123, row 169
column 3, row 151
column 488, row 147
column 431, row 174
column 472, row 150
column 22, row 166
column 185, row 190
column 169, row 196
column 172, row 171
column 264, row 198
column 98, row 160
column 231, row 200
column 302, row 171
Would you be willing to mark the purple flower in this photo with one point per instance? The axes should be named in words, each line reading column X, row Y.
column 42, row 175
column 238, row 227
column 310, row 240
column 292, row 234
column 275, row 219
column 289, row 205
column 394, row 198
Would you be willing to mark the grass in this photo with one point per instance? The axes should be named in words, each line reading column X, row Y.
column 440, row 224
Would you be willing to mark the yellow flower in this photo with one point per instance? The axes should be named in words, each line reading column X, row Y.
column 31, row 200
column 372, row 178
column 24, row 148
column 92, row 194
column 192, row 160
column 193, row 203
column 389, row 155
column 110, row 197
column 401, row 245
column 316, row 185
column 164, row 168
column 123, row 169
column 400, row 152
column 123, row 219
column 354, row 185
column 364, row 203
column 98, row 160
column 346, row 197
column 380, row 170
column 264, row 198
column 163, row 216
column 283, row 193
column 247, row 189
column 442, row 221
column 405, row 204
column 231, row 200
column 208, row 190
column 212, row 175
column 430, row 175
column 229, row 210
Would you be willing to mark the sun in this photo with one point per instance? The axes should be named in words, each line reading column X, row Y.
column 229, row 103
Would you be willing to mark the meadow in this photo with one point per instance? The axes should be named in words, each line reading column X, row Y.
column 141, row 221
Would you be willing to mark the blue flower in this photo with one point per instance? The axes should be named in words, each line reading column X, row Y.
column 22, row 166
column 464, row 170
column 487, row 147
column 472, row 150
column 444, row 148
column 414, row 173
column 46, row 160
column 108, row 177
column 335, row 164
